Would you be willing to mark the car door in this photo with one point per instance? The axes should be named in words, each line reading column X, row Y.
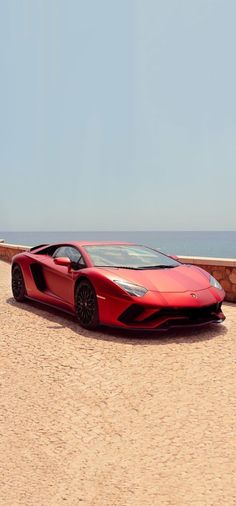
column 59, row 279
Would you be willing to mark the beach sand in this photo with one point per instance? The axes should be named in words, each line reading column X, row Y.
column 104, row 418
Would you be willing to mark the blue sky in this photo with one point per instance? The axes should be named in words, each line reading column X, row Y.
column 118, row 115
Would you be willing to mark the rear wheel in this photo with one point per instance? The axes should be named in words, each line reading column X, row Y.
column 18, row 284
column 86, row 305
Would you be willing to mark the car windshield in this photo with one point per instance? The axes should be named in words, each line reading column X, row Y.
column 129, row 257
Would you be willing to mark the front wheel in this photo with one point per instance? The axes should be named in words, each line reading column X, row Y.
column 86, row 305
column 18, row 284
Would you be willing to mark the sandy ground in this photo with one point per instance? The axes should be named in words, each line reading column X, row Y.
column 101, row 418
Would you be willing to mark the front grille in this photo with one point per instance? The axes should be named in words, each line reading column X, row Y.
column 191, row 313
column 183, row 316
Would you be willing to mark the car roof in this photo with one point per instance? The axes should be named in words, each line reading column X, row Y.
column 100, row 243
column 81, row 244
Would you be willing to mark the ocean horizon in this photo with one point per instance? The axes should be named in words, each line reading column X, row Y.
column 220, row 244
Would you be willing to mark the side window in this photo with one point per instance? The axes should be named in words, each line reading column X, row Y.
column 75, row 255
column 72, row 253
column 60, row 252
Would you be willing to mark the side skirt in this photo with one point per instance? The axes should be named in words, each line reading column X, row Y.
column 53, row 306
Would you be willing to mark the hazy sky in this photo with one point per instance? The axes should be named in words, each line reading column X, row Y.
column 118, row 115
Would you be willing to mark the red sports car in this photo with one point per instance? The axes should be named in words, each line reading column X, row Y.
column 117, row 284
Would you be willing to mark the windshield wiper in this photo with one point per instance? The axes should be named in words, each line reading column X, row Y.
column 119, row 267
column 138, row 268
column 161, row 267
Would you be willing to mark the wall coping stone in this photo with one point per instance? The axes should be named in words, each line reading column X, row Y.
column 225, row 262
column 15, row 246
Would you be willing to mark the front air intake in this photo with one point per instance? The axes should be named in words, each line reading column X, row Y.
column 129, row 315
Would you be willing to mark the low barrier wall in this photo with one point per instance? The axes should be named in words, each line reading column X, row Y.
column 7, row 251
column 223, row 269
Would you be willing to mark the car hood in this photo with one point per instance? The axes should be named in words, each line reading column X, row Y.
column 179, row 279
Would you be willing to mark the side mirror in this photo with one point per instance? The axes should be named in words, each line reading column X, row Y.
column 63, row 261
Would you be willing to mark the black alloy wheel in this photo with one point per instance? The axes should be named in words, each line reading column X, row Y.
column 18, row 284
column 86, row 305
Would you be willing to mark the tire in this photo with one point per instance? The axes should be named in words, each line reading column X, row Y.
column 86, row 306
column 18, row 284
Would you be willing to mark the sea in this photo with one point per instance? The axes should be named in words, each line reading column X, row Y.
column 207, row 243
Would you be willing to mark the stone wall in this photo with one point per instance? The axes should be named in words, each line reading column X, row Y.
column 7, row 251
column 223, row 269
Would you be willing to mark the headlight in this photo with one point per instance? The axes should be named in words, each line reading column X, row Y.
column 132, row 289
column 215, row 283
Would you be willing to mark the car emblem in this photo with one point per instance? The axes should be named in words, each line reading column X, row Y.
column 194, row 295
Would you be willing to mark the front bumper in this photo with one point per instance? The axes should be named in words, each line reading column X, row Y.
column 163, row 319
column 159, row 310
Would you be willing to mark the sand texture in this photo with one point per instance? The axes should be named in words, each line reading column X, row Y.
column 105, row 418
